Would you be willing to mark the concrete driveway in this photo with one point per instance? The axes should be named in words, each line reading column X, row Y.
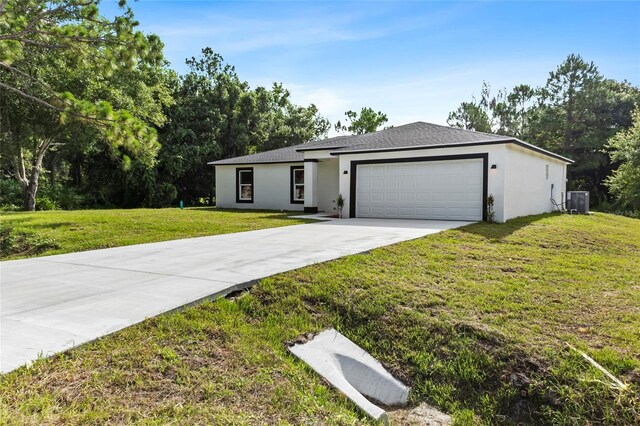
column 50, row 304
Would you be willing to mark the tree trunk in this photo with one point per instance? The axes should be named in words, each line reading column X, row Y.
column 30, row 184
column 76, row 170
column 31, row 189
column 569, row 124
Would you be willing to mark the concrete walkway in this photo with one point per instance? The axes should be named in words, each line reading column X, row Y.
column 50, row 304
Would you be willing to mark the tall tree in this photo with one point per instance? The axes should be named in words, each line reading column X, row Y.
column 38, row 39
column 367, row 121
column 470, row 116
column 568, row 91
column 217, row 115
column 473, row 115
column 574, row 114
column 510, row 110
column 624, row 182
column 578, row 111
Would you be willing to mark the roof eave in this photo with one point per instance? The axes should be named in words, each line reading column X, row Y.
column 320, row 148
column 454, row 145
column 415, row 147
column 542, row 151
column 244, row 163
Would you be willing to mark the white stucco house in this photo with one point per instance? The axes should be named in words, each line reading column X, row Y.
column 415, row 171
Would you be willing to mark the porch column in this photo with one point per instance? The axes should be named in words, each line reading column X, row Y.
column 311, row 186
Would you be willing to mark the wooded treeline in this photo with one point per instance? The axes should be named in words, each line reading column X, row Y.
column 92, row 116
column 577, row 114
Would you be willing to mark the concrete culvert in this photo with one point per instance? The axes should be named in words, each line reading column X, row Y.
column 353, row 371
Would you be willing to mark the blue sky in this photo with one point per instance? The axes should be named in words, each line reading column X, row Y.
column 412, row 60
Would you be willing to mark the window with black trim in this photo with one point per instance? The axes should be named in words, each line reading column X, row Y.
column 297, row 185
column 244, row 185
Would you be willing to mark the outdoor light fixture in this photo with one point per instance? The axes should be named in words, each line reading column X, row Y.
column 494, row 166
column 346, row 172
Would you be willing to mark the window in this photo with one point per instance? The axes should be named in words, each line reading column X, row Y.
column 297, row 185
column 244, row 185
column 546, row 171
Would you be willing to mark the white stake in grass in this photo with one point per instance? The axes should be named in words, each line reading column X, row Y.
column 617, row 383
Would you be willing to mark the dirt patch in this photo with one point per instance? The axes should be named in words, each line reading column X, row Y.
column 15, row 244
column 422, row 415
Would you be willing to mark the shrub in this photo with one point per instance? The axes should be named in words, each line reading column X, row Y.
column 59, row 196
column 10, row 194
column 491, row 214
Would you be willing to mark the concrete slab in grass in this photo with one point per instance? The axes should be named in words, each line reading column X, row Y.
column 353, row 371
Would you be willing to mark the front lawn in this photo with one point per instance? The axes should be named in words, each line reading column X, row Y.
column 29, row 234
column 475, row 319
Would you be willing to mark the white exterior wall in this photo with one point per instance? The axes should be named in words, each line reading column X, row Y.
column 527, row 190
column 518, row 183
column 327, row 184
column 321, row 154
column 271, row 187
column 495, row 183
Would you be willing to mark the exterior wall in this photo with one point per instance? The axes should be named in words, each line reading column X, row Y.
column 518, row 183
column 327, row 184
column 495, row 182
column 271, row 187
column 318, row 154
column 528, row 190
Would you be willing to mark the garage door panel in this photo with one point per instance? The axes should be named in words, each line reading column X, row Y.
column 423, row 196
column 439, row 180
column 438, row 196
column 365, row 197
column 449, row 189
column 407, row 197
column 456, row 196
column 391, row 197
column 376, row 182
column 392, row 182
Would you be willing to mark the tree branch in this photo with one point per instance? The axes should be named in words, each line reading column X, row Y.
column 98, row 121
column 31, row 97
column 24, row 74
column 19, row 169
column 3, row 5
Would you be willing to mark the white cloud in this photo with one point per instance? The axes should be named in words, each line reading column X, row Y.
column 298, row 26
column 241, row 35
column 427, row 97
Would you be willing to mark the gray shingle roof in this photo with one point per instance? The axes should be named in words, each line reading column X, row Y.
column 411, row 136
column 282, row 155
column 416, row 135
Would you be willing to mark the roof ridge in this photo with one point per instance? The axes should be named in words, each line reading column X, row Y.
column 463, row 130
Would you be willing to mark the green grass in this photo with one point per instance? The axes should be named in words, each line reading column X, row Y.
column 474, row 319
column 29, row 234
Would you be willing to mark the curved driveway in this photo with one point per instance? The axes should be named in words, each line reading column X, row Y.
column 50, row 304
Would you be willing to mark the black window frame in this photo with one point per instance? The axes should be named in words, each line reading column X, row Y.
column 238, row 171
column 292, row 184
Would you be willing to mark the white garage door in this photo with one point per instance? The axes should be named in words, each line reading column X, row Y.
column 448, row 190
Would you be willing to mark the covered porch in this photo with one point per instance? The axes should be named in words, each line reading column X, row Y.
column 321, row 185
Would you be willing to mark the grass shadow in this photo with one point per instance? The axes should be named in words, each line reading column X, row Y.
column 500, row 231
column 268, row 214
